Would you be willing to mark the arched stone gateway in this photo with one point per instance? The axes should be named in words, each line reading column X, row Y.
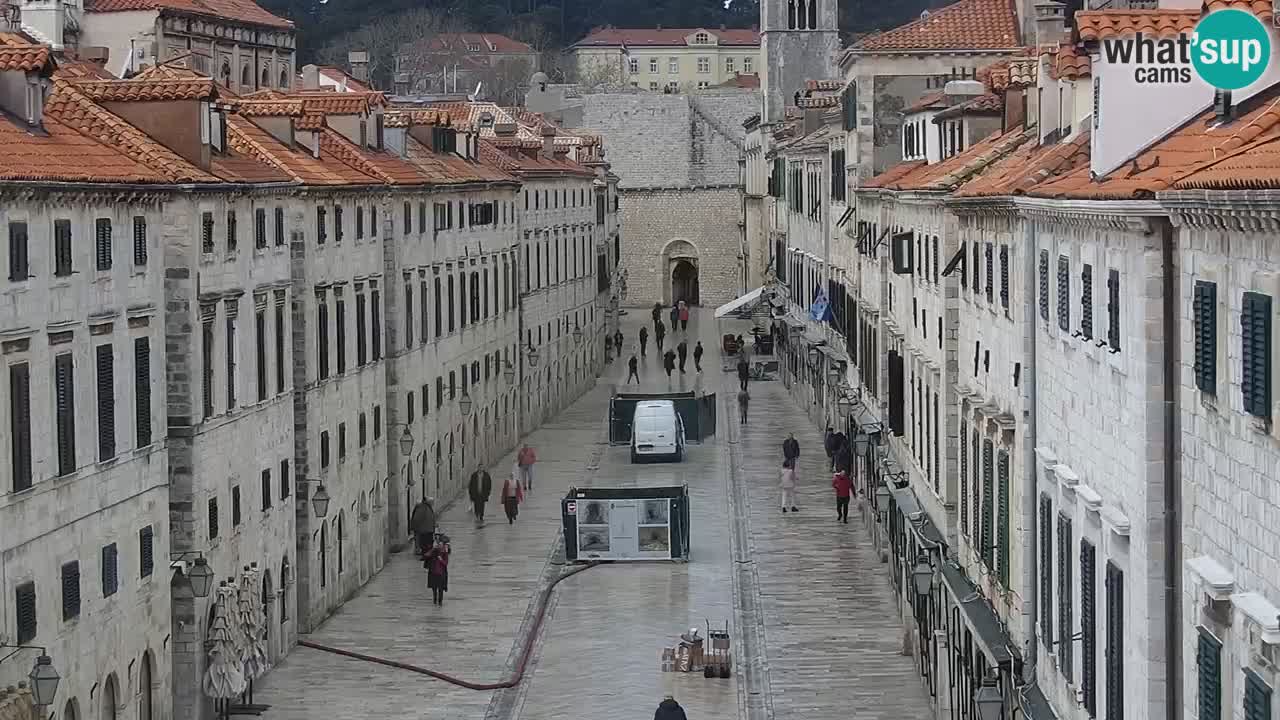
column 680, row 268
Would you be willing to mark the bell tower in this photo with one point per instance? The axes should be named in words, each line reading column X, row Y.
column 799, row 40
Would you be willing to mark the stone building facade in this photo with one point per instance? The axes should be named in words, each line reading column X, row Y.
column 799, row 42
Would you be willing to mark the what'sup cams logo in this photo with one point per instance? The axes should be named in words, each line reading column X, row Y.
column 1228, row 49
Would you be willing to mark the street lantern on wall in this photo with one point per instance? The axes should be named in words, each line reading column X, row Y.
column 319, row 500
column 922, row 575
column 989, row 701
column 464, row 403
column 406, row 441
column 509, row 372
column 533, row 355
column 44, row 681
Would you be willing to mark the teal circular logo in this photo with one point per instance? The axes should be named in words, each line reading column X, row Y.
column 1231, row 49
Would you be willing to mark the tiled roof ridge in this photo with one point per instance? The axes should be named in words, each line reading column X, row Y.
column 110, row 130
column 16, row 53
column 242, row 143
column 980, row 158
column 1028, row 166
column 345, row 151
column 957, row 26
column 245, row 11
column 1093, row 25
column 145, row 89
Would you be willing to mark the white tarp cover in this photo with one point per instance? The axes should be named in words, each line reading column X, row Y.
column 739, row 302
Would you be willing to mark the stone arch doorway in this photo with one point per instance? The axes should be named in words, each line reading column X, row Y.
column 680, row 267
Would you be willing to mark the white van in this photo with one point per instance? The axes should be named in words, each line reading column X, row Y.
column 656, row 431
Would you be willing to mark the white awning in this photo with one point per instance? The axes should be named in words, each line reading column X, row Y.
column 738, row 303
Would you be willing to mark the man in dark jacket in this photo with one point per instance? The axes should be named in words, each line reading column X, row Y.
column 669, row 362
column 479, row 490
column 829, row 444
column 744, row 372
column 644, row 339
column 659, row 333
column 790, row 447
column 844, row 454
column 683, row 351
column 617, row 341
column 632, row 365
column 423, row 523
column 657, row 315
column 669, row 709
column 697, row 356
column 743, row 400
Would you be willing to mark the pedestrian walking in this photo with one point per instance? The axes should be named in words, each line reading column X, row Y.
column 844, row 454
column 844, row 488
column 683, row 351
column 829, row 444
column 657, row 315
column 669, row 362
column 743, row 400
column 669, row 709
column 744, row 372
column 675, row 317
column 512, row 496
column 789, row 485
column 659, row 334
column 436, row 561
column 617, row 341
column 479, row 490
column 697, row 356
column 632, row 365
column 791, row 448
column 423, row 523
column 525, row 460
column 684, row 316
column 644, row 340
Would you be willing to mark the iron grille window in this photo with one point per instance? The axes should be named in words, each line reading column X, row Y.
column 1204, row 311
column 146, row 551
column 104, row 357
column 1113, row 309
column 1065, row 589
column 1086, row 302
column 25, row 609
column 279, row 223
column 1255, row 353
column 206, row 233
column 1064, row 293
column 964, row 478
column 1209, row 675
column 213, row 518
column 19, row 263
column 206, row 360
column 1115, row 642
column 988, row 504
column 110, row 570
column 233, row 240
column 62, row 262
column 1046, row 570
column 260, row 228
column 322, row 230
column 375, row 303
column 362, row 348
column 1002, row 474
column 1004, row 276
column 102, row 243
column 989, row 253
column 266, row 489
column 1088, row 627
column 20, row 425
column 1257, row 697
column 139, row 240
column 260, row 336
column 235, row 506
column 337, row 223
column 65, row 410
column 71, row 590
column 284, row 480
column 1044, row 285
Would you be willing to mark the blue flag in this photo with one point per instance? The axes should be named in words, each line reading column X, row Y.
column 820, row 310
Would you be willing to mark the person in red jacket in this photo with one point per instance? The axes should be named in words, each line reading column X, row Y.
column 525, row 460
column 844, row 489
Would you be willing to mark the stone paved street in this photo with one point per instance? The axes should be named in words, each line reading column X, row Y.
column 832, row 636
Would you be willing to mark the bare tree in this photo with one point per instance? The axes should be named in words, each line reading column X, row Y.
column 385, row 39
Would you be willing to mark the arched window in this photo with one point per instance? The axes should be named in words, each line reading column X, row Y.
column 813, row 14
column 284, row 79
column 225, row 73
column 246, row 77
column 791, row 14
column 266, row 78
column 144, row 687
column 69, row 711
column 110, row 698
column 801, row 15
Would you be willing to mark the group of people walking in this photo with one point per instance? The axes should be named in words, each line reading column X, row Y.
column 672, row 358
column 840, row 461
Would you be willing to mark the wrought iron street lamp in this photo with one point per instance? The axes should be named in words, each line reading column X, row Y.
column 989, row 701
column 577, row 333
column 509, row 372
column 882, row 498
column 406, row 438
column 922, row 576
column 464, row 403
column 198, row 576
column 861, row 443
column 320, row 500
column 44, row 679
column 533, row 355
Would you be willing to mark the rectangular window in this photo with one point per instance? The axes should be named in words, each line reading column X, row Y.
column 260, row 228
column 1003, row 523
column 439, row 392
column 206, row 360
column 340, row 334
column 409, row 404
column 439, row 309
column 142, row 393
column 110, row 570
column 1088, row 628
column 1046, row 570
column 424, row 319
column 1044, row 285
column 71, row 590
column 1255, row 354
column 235, row 506
column 1064, row 293
column 62, row 263
column 25, row 609
column 146, row 551
column 266, row 490
column 704, row 64
column 139, row 240
column 1204, row 312
column 19, row 264
column 1115, row 642
column 213, row 518
column 422, row 217
column 362, row 348
column 233, row 241
column 375, row 307
column 65, row 412
column 102, row 243
column 280, row 363
column 373, row 210
column 337, row 223
column 279, row 218
column 260, row 336
column 322, row 230
column 1066, row 589
column 988, row 504
column 1113, row 310
column 1257, row 697
column 324, row 449
column 964, row 479
column 1209, row 675
column 359, row 222
column 408, row 315
column 989, row 254
column 342, row 441
column 1004, row 276
column 232, row 330
column 452, row 305
column 206, row 233
column 362, row 430
column 104, row 358
column 284, row 479
column 20, row 425
column 1086, row 302
column 322, row 334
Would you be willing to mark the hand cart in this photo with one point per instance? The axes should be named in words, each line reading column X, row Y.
column 717, row 660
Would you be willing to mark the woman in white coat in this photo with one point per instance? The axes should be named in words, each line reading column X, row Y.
column 788, row 483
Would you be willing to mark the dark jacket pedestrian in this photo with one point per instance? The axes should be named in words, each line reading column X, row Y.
column 790, row 447
column 743, row 400
column 423, row 524
column 632, row 365
column 436, row 561
column 683, row 351
column 675, row 317
column 744, row 372
column 617, row 341
column 479, row 490
column 697, row 356
column 669, row 709
column 669, row 362
column 644, row 339
column 659, row 334
column 829, row 444
column 844, row 455
column 657, row 315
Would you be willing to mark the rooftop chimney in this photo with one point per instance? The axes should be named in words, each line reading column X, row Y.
column 359, row 62
column 548, row 142
column 310, row 77
column 1051, row 24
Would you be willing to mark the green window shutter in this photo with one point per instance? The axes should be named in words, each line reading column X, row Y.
column 991, row 279
column 1046, row 570
column 25, row 609
column 1088, row 627
column 1209, row 672
column 1004, row 276
column 1113, row 310
column 70, row 590
column 1257, row 697
column 1002, row 526
column 1115, row 642
column 1204, row 312
column 988, row 505
column 1064, row 293
column 1066, row 645
column 964, row 479
column 1044, row 285
column 1255, row 353
column 975, row 487
column 1086, row 302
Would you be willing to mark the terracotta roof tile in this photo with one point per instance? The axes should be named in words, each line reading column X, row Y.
column 1070, row 63
column 269, row 107
column 988, row 104
column 1254, row 168
column 1105, row 24
column 300, row 163
column 1027, row 166
column 825, row 101
column 742, row 80
column 450, row 168
column 170, row 70
column 955, row 170
column 964, row 25
column 890, row 177
column 245, row 11
column 1261, row 8
column 18, row 53
column 824, row 85
column 146, row 90
column 483, row 43
column 1199, row 143
column 310, row 121
column 931, row 100
column 381, row 164
column 334, row 103
column 1023, row 73
column 666, row 37
column 73, row 108
column 82, row 70
column 61, row 154
column 407, row 117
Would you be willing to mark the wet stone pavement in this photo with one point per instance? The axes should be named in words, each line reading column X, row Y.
column 831, row 635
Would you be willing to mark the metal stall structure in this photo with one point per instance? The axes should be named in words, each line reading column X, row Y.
column 650, row 523
column 698, row 412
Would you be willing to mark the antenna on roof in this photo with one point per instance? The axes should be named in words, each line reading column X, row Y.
column 474, row 96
